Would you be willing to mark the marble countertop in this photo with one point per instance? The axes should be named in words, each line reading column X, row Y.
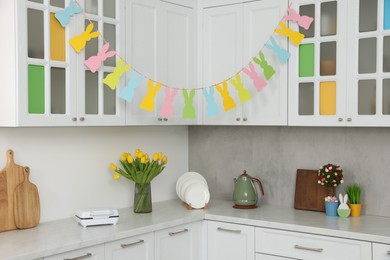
column 64, row 235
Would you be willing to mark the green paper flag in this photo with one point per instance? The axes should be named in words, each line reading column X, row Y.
column 189, row 110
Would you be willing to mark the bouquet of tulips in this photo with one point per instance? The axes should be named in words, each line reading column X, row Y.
column 139, row 168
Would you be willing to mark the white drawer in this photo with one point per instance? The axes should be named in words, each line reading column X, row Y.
column 380, row 251
column 306, row 246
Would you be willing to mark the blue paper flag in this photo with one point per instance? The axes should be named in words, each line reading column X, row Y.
column 128, row 92
column 282, row 54
column 212, row 108
column 64, row 16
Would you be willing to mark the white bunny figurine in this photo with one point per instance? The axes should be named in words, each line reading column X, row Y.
column 343, row 210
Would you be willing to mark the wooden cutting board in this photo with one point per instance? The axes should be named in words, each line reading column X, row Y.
column 10, row 177
column 26, row 203
column 309, row 195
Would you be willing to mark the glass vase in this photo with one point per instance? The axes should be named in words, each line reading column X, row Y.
column 142, row 198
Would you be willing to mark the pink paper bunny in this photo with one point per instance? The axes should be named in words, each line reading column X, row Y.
column 167, row 108
column 259, row 82
column 94, row 62
column 303, row 21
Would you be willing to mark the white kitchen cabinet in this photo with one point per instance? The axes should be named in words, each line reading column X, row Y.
column 305, row 246
column 181, row 242
column 271, row 257
column 91, row 253
column 380, row 251
column 231, row 38
column 45, row 80
column 139, row 247
column 228, row 241
column 160, row 45
column 340, row 74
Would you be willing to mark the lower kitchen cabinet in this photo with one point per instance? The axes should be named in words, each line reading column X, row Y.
column 138, row 247
column 271, row 257
column 90, row 253
column 305, row 246
column 228, row 241
column 380, row 251
column 186, row 242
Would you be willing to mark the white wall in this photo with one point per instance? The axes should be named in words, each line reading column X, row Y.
column 70, row 165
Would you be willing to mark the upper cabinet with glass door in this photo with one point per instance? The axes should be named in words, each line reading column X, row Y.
column 317, row 77
column 369, row 68
column 43, row 86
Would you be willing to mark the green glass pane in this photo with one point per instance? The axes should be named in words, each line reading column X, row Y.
column 36, row 89
column 306, row 60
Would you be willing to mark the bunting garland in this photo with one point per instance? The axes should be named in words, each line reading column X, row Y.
column 94, row 63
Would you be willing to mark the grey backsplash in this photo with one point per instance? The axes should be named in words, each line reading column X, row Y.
column 273, row 154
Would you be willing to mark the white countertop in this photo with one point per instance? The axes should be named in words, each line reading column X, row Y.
column 64, row 235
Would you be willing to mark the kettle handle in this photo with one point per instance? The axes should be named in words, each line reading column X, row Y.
column 260, row 185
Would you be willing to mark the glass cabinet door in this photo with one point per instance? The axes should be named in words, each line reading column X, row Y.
column 369, row 71
column 97, row 103
column 317, row 78
column 45, row 65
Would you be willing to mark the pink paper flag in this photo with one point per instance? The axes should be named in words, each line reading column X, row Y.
column 258, row 81
column 167, row 108
column 303, row 21
column 94, row 62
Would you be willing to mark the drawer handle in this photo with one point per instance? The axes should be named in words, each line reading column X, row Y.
column 309, row 248
column 132, row 244
column 230, row 230
column 87, row 255
column 178, row 232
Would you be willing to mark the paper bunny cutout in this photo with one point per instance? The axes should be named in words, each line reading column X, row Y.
column 295, row 37
column 189, row 110
column 303, row 21
column 258, row 81
column 282, row 54
column 228, row 101
column 79, row 41
column 148, row 101
column 243, row 93
column 167, row 108
column 268, row 69
column 212, row 108
column 128, row 92
column 64, row 16
column 343, row 210
column 94, row 62
column 112, row 79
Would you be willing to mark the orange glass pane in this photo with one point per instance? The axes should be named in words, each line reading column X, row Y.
column 328, row 98
column 57, row 39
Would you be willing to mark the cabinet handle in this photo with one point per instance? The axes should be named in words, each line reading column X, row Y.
column 132, row 244
column 349, row 119
column 309, row 248
column 74, row 119
column 82, row 119
column 159, row 119
column 340, row 119
column 238, row 119
column 245, row 119
column 178, row 232
column 229, row 230
column 87, row 255
column 388, row 252
column 165, row 119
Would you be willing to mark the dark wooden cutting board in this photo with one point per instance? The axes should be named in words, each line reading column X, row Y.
column 309, row 195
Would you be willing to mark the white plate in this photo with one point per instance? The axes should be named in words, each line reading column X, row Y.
column 188, row 183
column 184, row 177
column 197, row 196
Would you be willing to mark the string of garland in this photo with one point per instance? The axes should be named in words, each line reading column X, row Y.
column 93, row 63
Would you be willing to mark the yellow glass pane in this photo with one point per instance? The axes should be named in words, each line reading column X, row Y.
column 57, row 39
column 328, row 98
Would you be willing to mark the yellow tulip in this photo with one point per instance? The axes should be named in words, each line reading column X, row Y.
column 147, row 156
column 130, row 159
column 123, row 157
column 116, row 176
column 164, row 160
column 160, row 155
column 155, row 157
column 143, row 160
column 140, row 155
column 113, row 167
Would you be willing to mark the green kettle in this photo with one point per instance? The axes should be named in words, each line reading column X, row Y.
column 245, row 194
